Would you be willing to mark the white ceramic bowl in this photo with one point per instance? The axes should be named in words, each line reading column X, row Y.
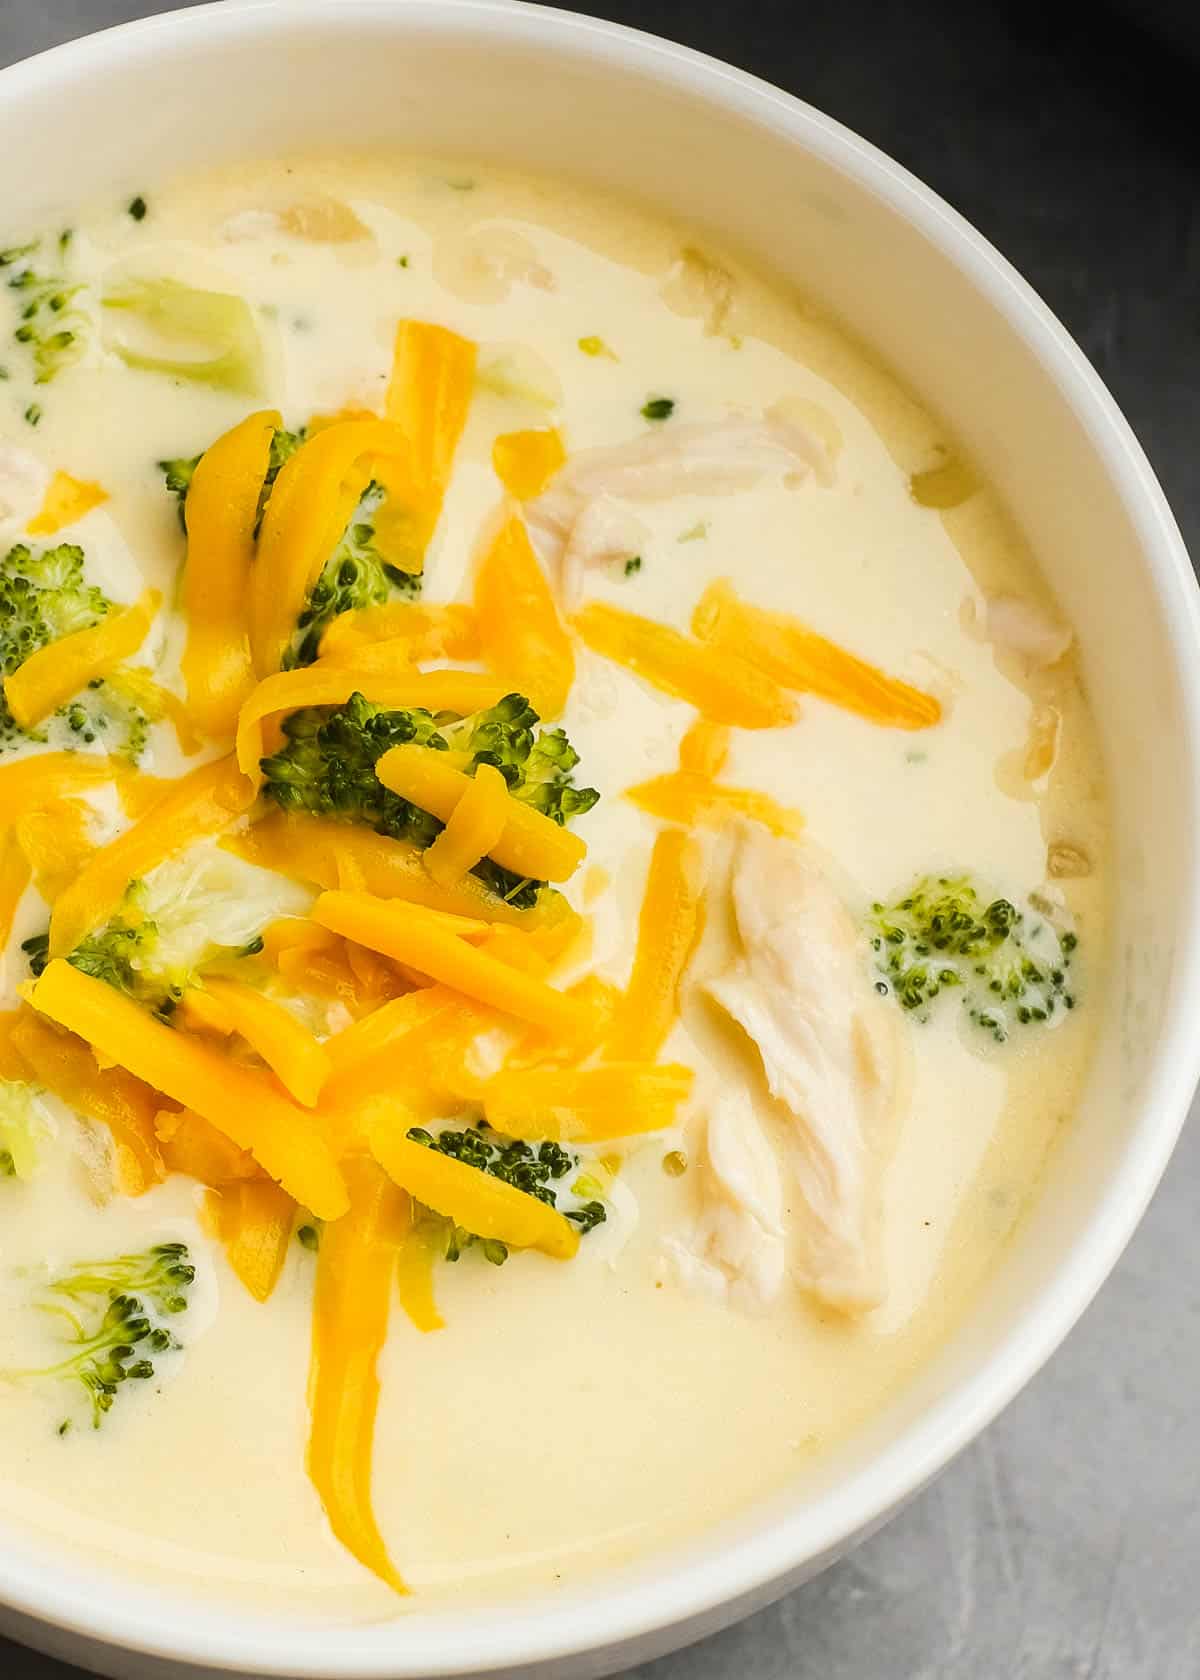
column 711, row 147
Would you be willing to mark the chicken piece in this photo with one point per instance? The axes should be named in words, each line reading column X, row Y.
column 318, row 221
column 799, row 991
column 700, row 286
column 714, row 457
column 738, row 1250
column 485, row 263
column 710, row 458
column 1018, row 626
column 605, row 532
column 23, row 481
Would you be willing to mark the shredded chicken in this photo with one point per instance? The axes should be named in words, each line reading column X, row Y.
column 250, row 224
column 605, row 532
column 711, row 458
column 799, row 992
column 1017, row 626
column 319, row 221
column 1041, row 747
column 737, row 1250
column 484, row 264
column 23, row 481
column 698, row 285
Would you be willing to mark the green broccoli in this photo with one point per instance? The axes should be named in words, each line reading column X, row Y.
column 327, row 768
column 107, row 1355
column 546, row 783
column 160, row 1275
column 947, row 932
column 51, row 324
column 356, row 575
column 284, row 445
column 112, row 953
column 23, row 1125
column 199, row 907
column 115, row 954
column 37, row 952
column 534, row 1170
column 43, row 597
column 107, row 708
column 502, row 736
column 215, row 332
column 109, row 1308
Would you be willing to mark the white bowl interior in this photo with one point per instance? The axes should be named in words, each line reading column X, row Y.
column 809, row 201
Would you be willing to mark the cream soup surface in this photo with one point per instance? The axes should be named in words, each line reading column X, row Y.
column 569, row 1416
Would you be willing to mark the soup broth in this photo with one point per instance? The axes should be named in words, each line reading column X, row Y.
column 715, row 1334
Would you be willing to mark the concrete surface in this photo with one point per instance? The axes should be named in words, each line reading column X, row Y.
column 1066, row 1544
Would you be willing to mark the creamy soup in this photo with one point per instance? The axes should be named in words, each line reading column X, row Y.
column 725, row 1123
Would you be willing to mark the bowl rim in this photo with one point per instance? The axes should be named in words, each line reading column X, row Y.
column 718, row 1577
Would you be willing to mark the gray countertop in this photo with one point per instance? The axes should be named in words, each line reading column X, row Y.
column 1065, row 1545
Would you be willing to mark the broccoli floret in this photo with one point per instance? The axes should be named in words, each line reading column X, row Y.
column 947, row 932
column 327, row 768
column 537, row 767
column 587, row 1216
column 23, row 1125
column 536, row 1171
column 547, row 784
column 106, row 1307
column 51, row 325
column 284, row 445
column 110, row 1352
column 177, row 476
column 43, row 597
column 110, row 955
column 115, row 954
column 200, row 906
column 501, row 736
column 161, row 1276
column 37, row 952
column 215, row 330
column 107, row 709
column 356, row 575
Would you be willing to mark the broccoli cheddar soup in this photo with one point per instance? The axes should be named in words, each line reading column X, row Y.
column 552, row 872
